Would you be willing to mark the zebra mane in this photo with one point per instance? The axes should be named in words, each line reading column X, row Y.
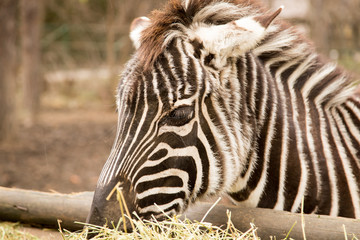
column 282, row 43
column 178, row 14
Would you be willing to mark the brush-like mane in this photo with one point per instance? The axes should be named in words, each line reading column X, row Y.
column 177, row 14
column 281, row 44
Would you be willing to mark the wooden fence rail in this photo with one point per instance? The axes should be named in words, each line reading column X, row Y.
column 44, row 209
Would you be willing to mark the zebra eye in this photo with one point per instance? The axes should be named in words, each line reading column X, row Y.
column 178, row 117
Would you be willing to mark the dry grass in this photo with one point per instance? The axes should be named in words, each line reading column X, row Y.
column 12, row 231
column 171, row 228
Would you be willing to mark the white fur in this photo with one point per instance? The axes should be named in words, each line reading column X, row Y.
column 229, row 40
column 139, row 24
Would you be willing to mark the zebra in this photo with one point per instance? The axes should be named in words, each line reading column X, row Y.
column 221, row 97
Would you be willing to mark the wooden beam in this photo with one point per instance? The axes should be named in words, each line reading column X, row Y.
column 43, row 209
column 278, row 223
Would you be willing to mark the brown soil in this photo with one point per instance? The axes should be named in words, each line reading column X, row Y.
column 64, row 151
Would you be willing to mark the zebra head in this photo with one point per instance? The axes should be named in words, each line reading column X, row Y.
column 170, row 148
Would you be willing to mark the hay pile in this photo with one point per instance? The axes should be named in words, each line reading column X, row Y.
column 172, row 228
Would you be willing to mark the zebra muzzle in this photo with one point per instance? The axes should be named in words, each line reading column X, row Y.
column 111, row 206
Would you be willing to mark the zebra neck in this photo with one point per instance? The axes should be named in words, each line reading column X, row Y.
column 293, row 63
column 300, row 104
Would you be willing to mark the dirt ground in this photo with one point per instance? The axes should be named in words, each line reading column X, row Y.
column 63, row 152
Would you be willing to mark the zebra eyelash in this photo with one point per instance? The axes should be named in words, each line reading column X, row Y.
column 178, row 116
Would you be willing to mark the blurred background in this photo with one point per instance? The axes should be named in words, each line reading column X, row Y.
column 59, row 66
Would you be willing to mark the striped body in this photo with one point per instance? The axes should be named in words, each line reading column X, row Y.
column 266, row 122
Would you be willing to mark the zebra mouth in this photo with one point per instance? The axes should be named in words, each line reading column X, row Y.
column 110, row 203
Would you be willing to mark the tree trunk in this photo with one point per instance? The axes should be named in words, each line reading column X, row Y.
column 110, row 36
column 31, row 28
column 111, row 30
column 7, row 68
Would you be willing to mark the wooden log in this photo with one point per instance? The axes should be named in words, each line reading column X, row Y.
column 44, row 209
column 278, row 223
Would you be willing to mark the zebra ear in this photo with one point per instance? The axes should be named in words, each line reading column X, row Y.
column 137, row 26
column 234, row 38
column 266, row 19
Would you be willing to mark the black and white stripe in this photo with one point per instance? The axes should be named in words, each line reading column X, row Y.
column 269, row 127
